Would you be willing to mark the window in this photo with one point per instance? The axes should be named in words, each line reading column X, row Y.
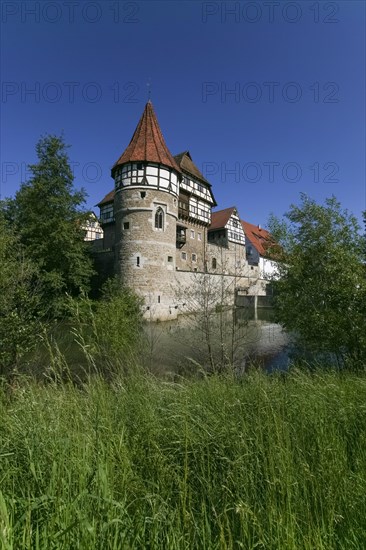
column 199, row 236
column 194, row 257
column 106, row 213
column 126, row 225
column 158, row 299
column 159, row 218
column 203, row 213
column 183, row 206
column 192, row 234
column 138, row 261
column 184, row 255
column 170, row 259
column 143, row 194
column 214, row 263
column 118, row 178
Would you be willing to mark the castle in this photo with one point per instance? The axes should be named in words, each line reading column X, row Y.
column 159, row 231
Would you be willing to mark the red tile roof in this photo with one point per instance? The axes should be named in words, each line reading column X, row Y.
column 260, row 238
column 147, row 143
column 184, row 160
column 108, row 198
column 220, row 218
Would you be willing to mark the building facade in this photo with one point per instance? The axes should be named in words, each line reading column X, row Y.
column 160, row 233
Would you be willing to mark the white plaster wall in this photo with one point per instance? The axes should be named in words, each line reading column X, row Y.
column 268, row 268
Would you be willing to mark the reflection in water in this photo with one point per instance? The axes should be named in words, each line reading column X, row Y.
column 195, row 342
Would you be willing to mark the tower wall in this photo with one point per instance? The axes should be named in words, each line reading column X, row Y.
column 145, row 249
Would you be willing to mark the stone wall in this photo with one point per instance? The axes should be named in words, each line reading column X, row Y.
column 108, row 236
column 174, row 292
column 229, row 258
column 189, row 292
column 196, row 236
column 145, row 255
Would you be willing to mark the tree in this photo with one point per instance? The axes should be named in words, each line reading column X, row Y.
column 217, row 333
column 364, row 238
column 48, row 217
column 321, row 290
column 19, row 301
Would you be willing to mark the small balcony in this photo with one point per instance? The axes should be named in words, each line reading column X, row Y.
column 181, row 237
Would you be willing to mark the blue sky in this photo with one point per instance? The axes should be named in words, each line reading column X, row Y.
column 268, row 97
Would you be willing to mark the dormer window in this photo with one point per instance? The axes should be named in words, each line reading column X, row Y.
column 159, row 218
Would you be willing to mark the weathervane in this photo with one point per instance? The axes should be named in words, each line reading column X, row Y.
column 149, row 88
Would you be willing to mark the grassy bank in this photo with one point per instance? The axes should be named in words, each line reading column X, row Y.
column 264, row 463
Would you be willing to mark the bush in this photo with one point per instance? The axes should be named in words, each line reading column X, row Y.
column 109, row 330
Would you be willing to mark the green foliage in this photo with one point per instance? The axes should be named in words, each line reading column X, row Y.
column 109, row 330
column 364, row 238
column 118, row 323
column 321, row 292
column 47, row 216
column 261, row 463
column 19, row 301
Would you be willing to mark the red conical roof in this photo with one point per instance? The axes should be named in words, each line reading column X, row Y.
column 147, row 143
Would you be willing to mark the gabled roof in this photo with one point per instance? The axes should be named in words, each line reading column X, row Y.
column 260, row 238
column 220, row 218
column 147, row 143
column 184, row 160
column 108, row 198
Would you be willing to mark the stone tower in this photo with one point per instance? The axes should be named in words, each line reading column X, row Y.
column 147, row 182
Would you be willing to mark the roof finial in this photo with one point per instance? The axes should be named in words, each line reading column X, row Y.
column 148, row 85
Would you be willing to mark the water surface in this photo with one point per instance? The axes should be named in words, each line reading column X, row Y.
column 243, row 338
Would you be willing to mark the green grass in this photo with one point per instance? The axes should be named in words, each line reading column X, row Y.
column 258, row 463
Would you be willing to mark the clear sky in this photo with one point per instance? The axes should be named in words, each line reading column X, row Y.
column 268, row 97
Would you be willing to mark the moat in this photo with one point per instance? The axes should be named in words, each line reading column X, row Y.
column 247, row 337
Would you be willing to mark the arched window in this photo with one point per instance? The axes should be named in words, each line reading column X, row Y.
column 159, row 218
column 214, row 263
